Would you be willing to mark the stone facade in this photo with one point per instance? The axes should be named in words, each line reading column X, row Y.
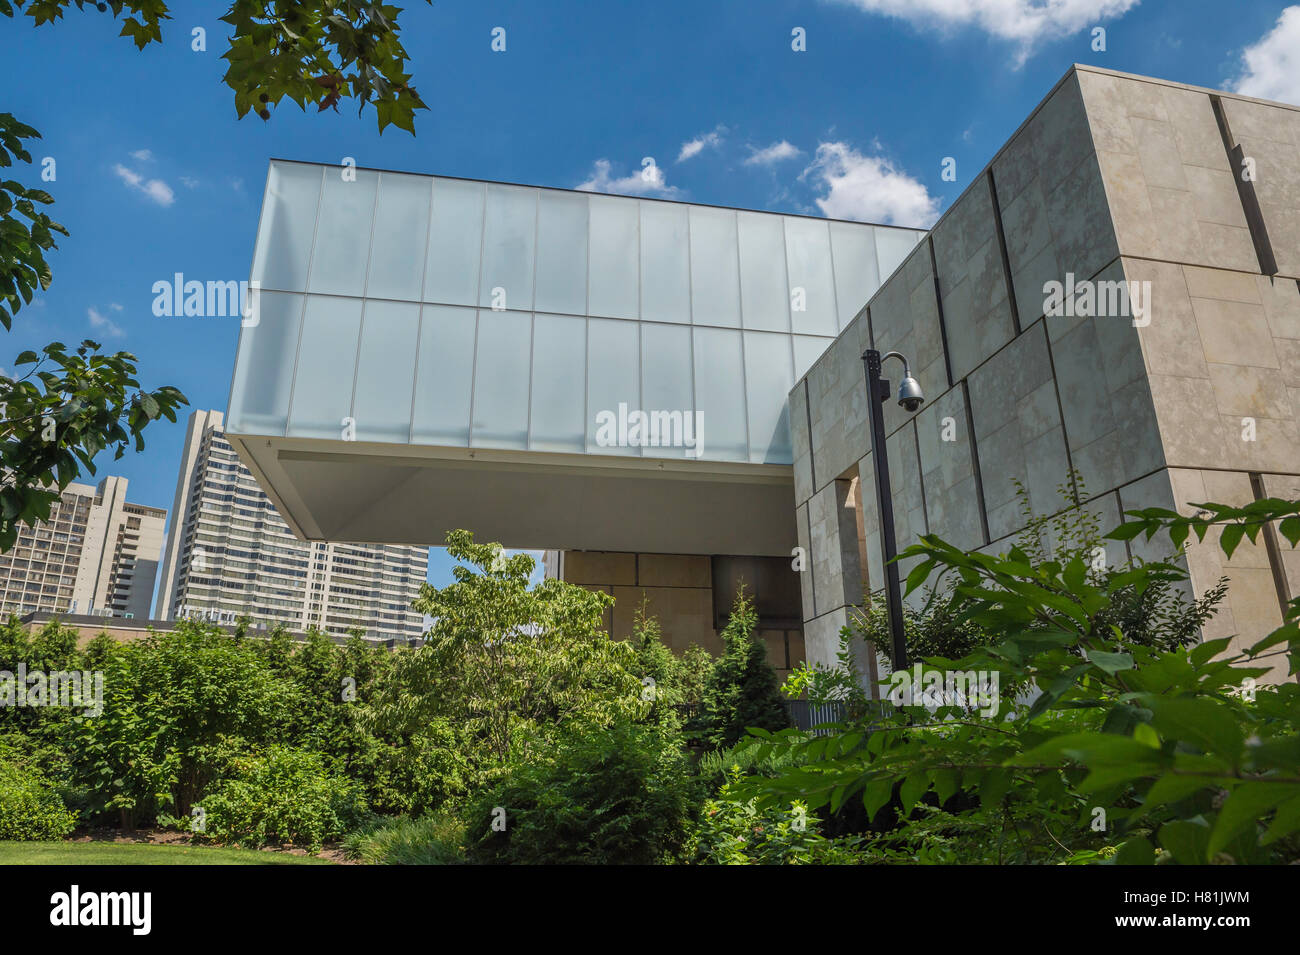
column 678, row 590
column 1191, row 395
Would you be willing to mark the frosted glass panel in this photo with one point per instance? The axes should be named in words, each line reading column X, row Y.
column 386, row 371
column 509, row 229
column 612, row 277
column 443, row 378
column 808, row 258
column 769, row 377
column 806, row 351
column 327, row 357
column 451, row 273
column 612, row 377
column 715, row 276
column 559, row 383
column 284, row 235
column 856, row 275
column 763, row 296
column 892, row 247
column 720, row 393
column 338, row 262
column 397, row 250
column 259, row 397
column 562, row 252
column 501, row 379
column 666, row 388
column 665, row 263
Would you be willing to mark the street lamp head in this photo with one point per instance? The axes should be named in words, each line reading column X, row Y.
column 909, row 394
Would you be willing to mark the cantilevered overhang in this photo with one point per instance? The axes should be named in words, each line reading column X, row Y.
column 424, row 353
column 413, row 495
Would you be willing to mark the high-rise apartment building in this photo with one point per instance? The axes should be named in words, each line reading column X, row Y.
column 230, row 554
column 97, row 554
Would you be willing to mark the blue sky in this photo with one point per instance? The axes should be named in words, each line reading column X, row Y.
column 155, row 175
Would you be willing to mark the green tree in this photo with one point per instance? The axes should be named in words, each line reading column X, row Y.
column 178, row 707
column 658, row 669
column 1136, row 753
column 594, row 795
column 74, row 404
column 503, row 658
column 743, row 690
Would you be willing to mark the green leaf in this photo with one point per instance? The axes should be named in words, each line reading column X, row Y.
column 1109, row 662
column 994, row 786
column 1173, row 788
column 876, row 794
column 1145, row 734
column 1231, row 537
column 1127, row 531
column 1246, row 805
column 1208, row 650
column 946, row 783
column 1201, row 721
column 1285, row 821
column 1135, row 852
column 914, row 787
column 1186, row 840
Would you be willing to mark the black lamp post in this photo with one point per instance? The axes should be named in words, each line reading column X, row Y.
column 910, row 398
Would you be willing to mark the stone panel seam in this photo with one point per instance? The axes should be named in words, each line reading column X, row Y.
column 1272, row 549
column 1245, row 192
column 975, row 461
column 1006, row 259
column 938, row 305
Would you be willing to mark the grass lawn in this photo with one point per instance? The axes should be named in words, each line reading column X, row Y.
column 129, row 853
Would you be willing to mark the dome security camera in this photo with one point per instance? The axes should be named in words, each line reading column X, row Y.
column 909, row 394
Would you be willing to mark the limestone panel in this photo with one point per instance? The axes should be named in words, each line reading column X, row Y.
column 873, row 579
column 673, row 570
column 806, row 590
column 908, row 497
column 952, row 505
column 799, row 436
column 1220, row 391
column 1054, row 213
column 1251, row 609
column 1106, row 403
column 1154, row 490
column 1166, row 204
column 685, row 614
column 905, row 318
column 972, row 283
column 837, row 576
column 1287, row 487
column 1269, row 135
column 599, row 567
column 837, row 396
column 822, row 637
column 1018, row 431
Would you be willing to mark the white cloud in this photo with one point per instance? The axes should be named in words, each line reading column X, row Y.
column 648, row 182
column 693, row 147
column 103, row 324
column 1024, row 22
column 155, row 189
column 770, row 155
column 1271, row 67
column 143, row 155
column 868, row 188
column 189, row 182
